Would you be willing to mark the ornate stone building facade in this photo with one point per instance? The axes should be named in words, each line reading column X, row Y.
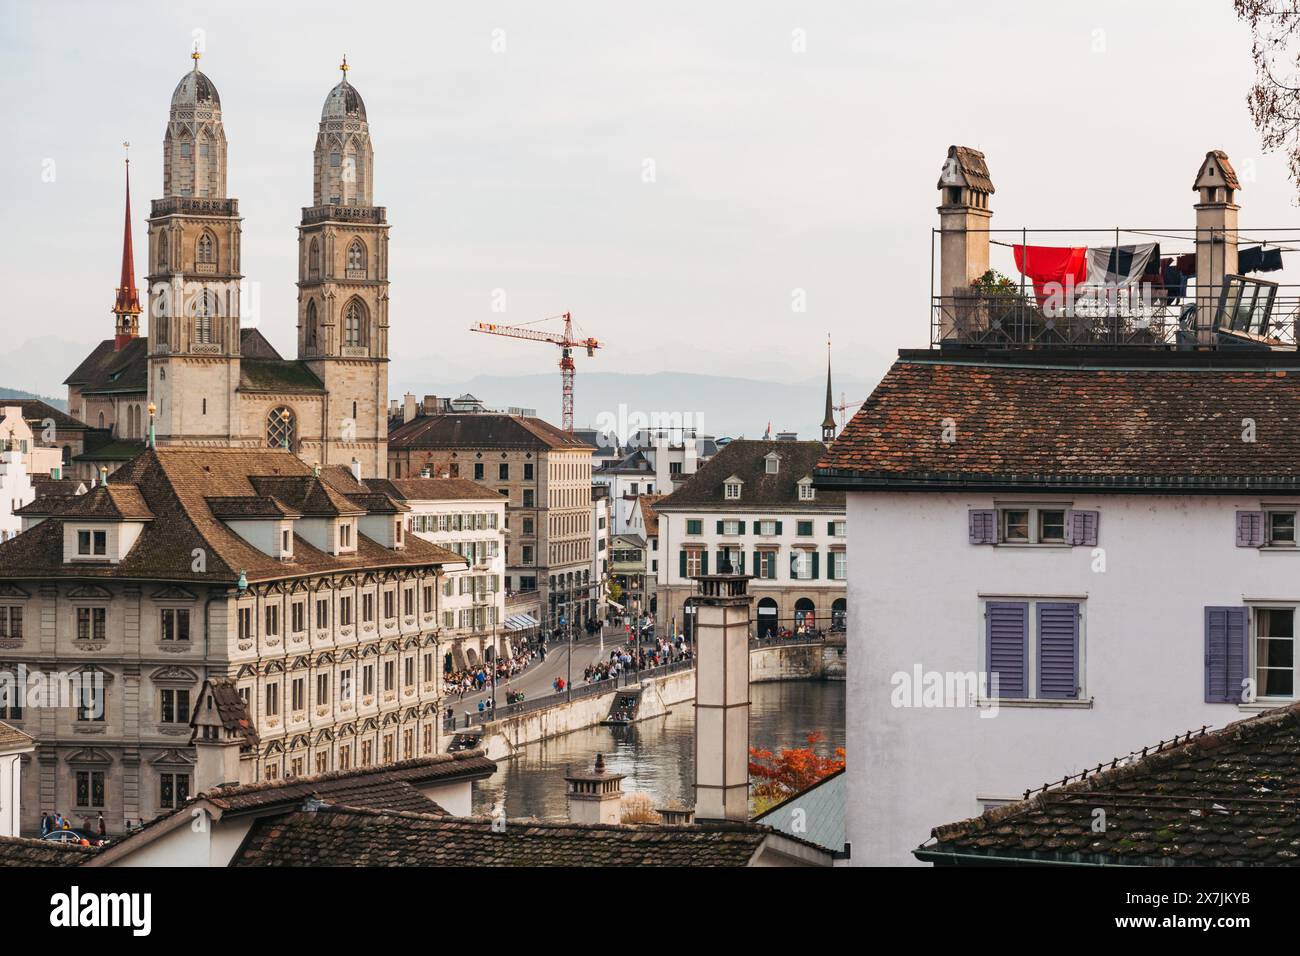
column 212, row 382
column 214, row 562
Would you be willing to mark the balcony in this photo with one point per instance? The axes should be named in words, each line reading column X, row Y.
column 194, row 204
column 1156, row 310
column 333, row 212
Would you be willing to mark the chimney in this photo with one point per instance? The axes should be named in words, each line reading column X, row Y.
column 676, row 816
column 431, row 404
column 964, row 215
column 356, row 469
column 408, row 407
column 596, row 795
column 1216, row 237
column 219, row 727
column 722, row 614
column 394, row 408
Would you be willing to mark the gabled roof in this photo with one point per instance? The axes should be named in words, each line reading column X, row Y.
column 746, row 460
column 1102, row 422
column 433, row 489
column 1218, row 798
column 481, row 430
column 232, row 711
column 353, row 836
column 240, row 507
column 12, row 739
column 1219, row 158
column 973, row 167
column 277, row 375
column 108, row 503
column 819, row 810
column 175, row 484
column 649, row 516
column 35, row 412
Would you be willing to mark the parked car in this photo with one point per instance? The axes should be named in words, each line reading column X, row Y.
column 75, row 836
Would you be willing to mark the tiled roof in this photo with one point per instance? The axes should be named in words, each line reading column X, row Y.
column 973, row 166
column 62, row 487
column 108, row 370
column 277, row 375
column 232, row 711
column 120, row 450
column 433, row 489
column 1226, row 797
column 378, row 503
column 12, row 738
column 649, row 516
column 108, row 503
column 1016, row 422
column 348, row 836
column 481, row 430
column 19, row 851
column 35, row 412
column 747, row 460
column 252, row 506
column 389, row 787
column 175, row 484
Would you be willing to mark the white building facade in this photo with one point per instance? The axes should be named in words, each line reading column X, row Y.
column 1012, row 630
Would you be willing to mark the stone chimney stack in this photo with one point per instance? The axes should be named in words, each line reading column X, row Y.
column 219, row 727
column 722, row 611
column 1216, row 187
column 964, row 216
column 596, row 795
column 408, row 407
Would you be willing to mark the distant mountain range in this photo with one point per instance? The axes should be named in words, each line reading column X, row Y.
column 6, row 393
column 720, row 405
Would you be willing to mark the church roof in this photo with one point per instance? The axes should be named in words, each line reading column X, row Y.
column 277, row 375
column 195, row 89
column 343, row 100
column 107, row 369
column 481, row 430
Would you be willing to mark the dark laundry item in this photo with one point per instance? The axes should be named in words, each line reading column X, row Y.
column 1186, row 264
column 1271, row 260
column 1154, row 268
column 1045, row 264
column 1175, row 283
column 1248, row 260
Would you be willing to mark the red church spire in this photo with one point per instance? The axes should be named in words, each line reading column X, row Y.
column 127, row 306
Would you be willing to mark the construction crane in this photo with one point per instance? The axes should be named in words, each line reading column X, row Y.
column 567, row 343
column 843, row 407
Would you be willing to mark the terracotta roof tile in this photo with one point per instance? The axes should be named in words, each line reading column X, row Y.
column 747, row 460
column 481, row 430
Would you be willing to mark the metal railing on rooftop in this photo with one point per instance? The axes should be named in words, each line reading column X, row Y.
column 1155, row 309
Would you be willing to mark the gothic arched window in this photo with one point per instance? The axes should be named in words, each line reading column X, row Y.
column 162, row 251
column 354, row 323
column 281, row 428
column 313, row 258
column 206, row 250
column 356, row 260
column 311, row 325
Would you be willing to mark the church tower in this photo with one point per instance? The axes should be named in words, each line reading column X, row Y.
column 343, row 287
column 194, row 276
column 126, row 307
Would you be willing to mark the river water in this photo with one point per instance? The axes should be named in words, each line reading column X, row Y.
column 658, row 755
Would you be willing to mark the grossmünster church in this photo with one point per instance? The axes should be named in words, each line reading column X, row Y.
column 211, row 381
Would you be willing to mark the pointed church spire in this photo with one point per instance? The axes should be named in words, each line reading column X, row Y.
column 828, row 423
column 127, row 306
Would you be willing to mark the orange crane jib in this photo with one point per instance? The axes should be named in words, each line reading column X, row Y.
column 564, row 340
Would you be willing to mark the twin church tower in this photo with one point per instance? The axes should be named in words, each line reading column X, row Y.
column 212, row 381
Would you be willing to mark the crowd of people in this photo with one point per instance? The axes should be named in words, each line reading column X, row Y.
column 474, row 679
column 641, row 657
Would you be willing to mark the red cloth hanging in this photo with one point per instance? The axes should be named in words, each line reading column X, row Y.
column 1044, row 264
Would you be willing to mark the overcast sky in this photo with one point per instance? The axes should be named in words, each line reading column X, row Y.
column 795, row 146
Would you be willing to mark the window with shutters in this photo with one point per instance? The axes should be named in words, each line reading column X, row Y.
column 1274, row 653
column 693, row 559
column 1053, row 525
column 1033, row 650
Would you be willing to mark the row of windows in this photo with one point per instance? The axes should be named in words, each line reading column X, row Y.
column 804, row 564
column 766, row 528
column 358, row 259
column 461, row 521
column 298, row 611
column 356, row 324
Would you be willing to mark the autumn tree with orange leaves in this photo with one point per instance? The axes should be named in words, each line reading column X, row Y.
column 789, row 771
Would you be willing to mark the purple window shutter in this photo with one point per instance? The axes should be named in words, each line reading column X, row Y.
column 1007, row 626
column 1250, row 529
column 1058, row 651
column 1226, row 654
column 983, row 527
column 1081, row 528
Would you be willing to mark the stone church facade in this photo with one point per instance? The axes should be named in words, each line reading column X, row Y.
column 211, row 382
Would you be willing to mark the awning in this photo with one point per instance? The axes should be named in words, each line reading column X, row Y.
column 518, row 622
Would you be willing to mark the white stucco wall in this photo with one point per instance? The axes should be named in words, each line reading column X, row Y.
column 919, row 584
column 11, row 767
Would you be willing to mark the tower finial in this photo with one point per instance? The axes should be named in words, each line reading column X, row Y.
column 344, row 66
column 195, row 55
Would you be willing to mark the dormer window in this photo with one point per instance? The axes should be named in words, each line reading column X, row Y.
column 772, row 463
column 397, row 531
column 346, row 541
column 286, row 543
column 92, row 543
column 806, row 490
column 731, row 489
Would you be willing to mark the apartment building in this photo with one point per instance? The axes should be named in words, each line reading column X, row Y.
column 544, row 476
column 753, row 507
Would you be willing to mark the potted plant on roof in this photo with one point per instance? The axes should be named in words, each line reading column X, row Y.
column 1004, row 311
